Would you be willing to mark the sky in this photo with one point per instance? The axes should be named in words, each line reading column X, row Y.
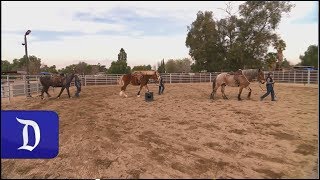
column 67, row 32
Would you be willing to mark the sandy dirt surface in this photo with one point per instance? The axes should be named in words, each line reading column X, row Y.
column 181, row 134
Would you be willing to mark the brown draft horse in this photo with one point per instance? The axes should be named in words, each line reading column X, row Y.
column 56, row 81
column 138, row 78
column 244, row 79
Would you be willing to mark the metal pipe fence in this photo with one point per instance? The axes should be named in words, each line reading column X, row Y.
column 16, row 85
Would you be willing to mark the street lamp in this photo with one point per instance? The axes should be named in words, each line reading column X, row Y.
column 26, row 51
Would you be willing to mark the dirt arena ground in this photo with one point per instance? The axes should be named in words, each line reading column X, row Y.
column 181, row 134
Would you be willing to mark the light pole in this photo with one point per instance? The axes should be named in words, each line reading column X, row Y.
column 26, row 51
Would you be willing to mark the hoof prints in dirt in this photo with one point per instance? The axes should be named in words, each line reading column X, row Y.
column 135, row 173
column 269, row 173
column 265, row 157
column 283, row 136
column 305, row 149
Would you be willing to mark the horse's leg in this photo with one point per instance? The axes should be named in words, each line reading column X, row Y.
column 138, row 95
column 240, row 91
column 46, row 91
column 123, row 88
column 215, row 87
column 223, row 86
column 68, row 92
column 249, row 94
column 42, row 91
column 62, row 88
column 147, row 87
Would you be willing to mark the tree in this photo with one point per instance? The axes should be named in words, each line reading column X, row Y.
column 202, row 40
column 171, row 66
column 310, row 57
column 178, row 65
column 280, row 46
column 235, row 41
column 141, row 68
column 270, row 61
column 5, row 66
column 68, row 69
column 286, row 64
column 119, row 67
column 102, row 68
column 51, row 69
column 183, row 65
column 161, row 67
column 122, row 55
column 21, row 64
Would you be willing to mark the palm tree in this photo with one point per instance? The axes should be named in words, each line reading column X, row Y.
column 280, row 46
column 271, row 60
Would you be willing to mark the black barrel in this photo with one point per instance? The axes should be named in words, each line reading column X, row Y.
column 148, row 96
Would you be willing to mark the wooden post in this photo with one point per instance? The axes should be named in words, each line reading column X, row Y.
column 308, row 76
column 8, row 83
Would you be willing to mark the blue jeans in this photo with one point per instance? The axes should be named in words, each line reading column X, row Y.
column 161, row 89
column 269, row 90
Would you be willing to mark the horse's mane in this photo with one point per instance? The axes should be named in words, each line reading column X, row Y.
column 250, row 73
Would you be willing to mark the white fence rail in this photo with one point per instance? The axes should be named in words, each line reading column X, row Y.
column 16, row 85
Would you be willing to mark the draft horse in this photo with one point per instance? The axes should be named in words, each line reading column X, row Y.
column 241, row 79
column 138, row 78
column 56, row 81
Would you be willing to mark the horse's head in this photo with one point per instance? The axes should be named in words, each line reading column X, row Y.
column 260, row 77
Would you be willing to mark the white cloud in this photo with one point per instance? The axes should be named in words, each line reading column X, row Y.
column 59, row 16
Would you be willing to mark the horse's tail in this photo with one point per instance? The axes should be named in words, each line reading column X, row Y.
column 214, row 83
column 120, row 81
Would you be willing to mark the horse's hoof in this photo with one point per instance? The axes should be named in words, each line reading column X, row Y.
column 138, row 95
column 239, row 99
column 125, row 96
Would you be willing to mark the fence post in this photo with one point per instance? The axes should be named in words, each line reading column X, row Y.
column 282, row 76
column 308, row 76
column 210, row 77
column 95, row 80
column 37, row 78
column 85, row 80
column 8, row 83
column 294, row 76
column 200, row 77
column 106, row 79
column 170, row 78
column 24, row 85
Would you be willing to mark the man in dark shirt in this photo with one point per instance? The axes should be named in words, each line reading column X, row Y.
column 161, row 85
column 269, row 84
column 77, row 83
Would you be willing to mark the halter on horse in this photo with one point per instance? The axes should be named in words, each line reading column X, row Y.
column 243, row 81
column 138, row 78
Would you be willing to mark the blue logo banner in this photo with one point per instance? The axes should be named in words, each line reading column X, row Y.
column 29, row 134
